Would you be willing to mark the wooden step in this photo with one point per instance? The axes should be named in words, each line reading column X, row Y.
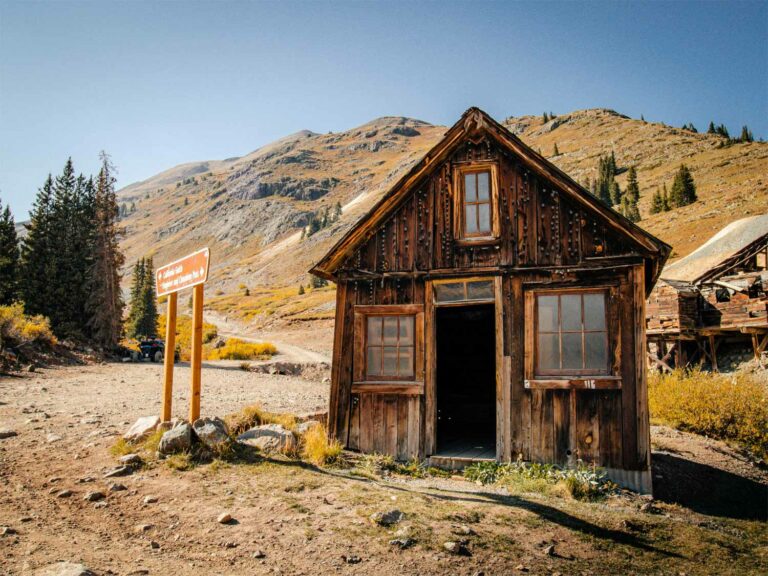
column 455, row 462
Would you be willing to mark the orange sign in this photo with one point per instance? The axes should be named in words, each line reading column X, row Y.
column 183, row 273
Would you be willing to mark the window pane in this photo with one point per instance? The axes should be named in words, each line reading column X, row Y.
column 594, row 311
column 470, row 219
column 470, row 190
column 597, row 350
column 374, row 330
column 483, row 192
column 485, row 217
column 572, row 351
column 405, row 361
column 480, row 290
column 450, row 292
column 390, row 330
column 374, row 361
column 389, row 367
column 570, row 316
column 406, row 330
column 547, row 313
column 549, row 353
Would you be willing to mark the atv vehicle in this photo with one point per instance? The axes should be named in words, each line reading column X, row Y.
column 154, row 349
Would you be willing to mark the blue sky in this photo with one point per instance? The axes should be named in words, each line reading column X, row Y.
column 160, row 83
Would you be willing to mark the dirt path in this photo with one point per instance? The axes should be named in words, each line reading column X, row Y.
column 287, row 352
column 292, row 519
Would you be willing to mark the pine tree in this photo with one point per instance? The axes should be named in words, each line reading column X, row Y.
column 9, row 257
column 37, row 255
column 615, row 194
column 711, row 129
column 105, row 303
column 604, row 184
column 136, row 300
column 666, row 205
column 657, row 202
column 147, row 323
column 723, row 131
column 301, row 290
column 317, row 282
column 683, row 188
column 642, row 118
column 629, row 209
column 633, row 189
column 545, row 117
column 746, row 135
column 555, row 151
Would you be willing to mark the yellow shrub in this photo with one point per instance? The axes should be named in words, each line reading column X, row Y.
column 318, row 449
column 728, row 407
column 236, row 349
column 18, row 328
column 184, row 333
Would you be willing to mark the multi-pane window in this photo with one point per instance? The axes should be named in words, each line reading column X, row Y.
column 390, row 347
column 477, row 204
column 571, row 333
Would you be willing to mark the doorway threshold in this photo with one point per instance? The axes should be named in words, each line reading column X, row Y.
column 459, row 453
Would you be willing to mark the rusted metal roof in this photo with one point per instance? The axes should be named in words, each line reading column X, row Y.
column 724, row 248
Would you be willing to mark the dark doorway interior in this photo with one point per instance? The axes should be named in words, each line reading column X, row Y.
column 466, row 381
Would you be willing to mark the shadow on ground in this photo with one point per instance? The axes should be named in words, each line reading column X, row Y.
column 708, row 490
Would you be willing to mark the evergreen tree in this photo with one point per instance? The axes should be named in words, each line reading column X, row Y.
column 545, row 117
column 337, row 211
column 642, row 118
column 746, row 135
column 136, row 303
column 633, row 189
column 9, row 257
column 604, row 184
column 301, row 290
column 615, row 194
column 37, row 255
column 723, row 131
column 666, row 205
column 146, row 324
column 105, row 303
column 555, row 151
column 657, row 202
column 683, row 188
column 629, row 209
column 711, row 129
column 317, row 282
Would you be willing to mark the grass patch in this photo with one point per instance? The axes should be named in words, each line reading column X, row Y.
column 184, row 333
column 180, row 462
column 121, row 447
column 318, row 449
column 236, row 349
column 254, row 415
column 728, row 407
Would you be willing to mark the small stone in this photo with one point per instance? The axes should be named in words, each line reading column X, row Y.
column 352, row 559
column 51, row 438
column 269, row 438
column 230, row 544
column 119, row 471
column 85, row 479
column 94, row 496
column 142, row 528
column 150, row 499
column 177, row 439
column 154, row 545
column 550, row 550
column 142, row 428
column 388, row 518
column 7, row 531
column 54, row 480
column 130, row 460
column 102, row 504
column 6, row 433
column 64, row 494
column 259, row 554
column 461, row 530
column 224, row 518
column 24, row 519
column 212, row 432
column 457, row 548
column 402, row 543
column 117, row 487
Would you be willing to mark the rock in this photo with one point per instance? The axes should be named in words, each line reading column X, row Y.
column 24, row 519
column 550, row 550
column 31, row 368
column 51, row 438
column 94, row 496
column 6, row 433
column 154, row 545
column 457, row 548
column 7, row 531
column 212, row 432
column 142, row 528
column 521, row 568
column 176, row 440
column 461, row 530
column 172, row 423
column 130, row 460
column 64, row 494
column 304, row 427
column 259, row 554
column 85, row 479
column 230, row 544
column 269, row 438
column 115, row 487
column 224, row 518
column 402, row 543
column 64, row 569
column 119, row 471
column 150, row 499
column 142, row 428
column 352, row 559
column 388, row 518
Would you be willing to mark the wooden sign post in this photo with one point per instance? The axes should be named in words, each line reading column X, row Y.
column 188, row 272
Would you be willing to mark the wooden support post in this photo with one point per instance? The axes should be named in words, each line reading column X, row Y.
column 170, row 352
column 713, row 353
column 197, row 352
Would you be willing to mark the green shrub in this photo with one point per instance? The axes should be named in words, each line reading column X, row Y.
column 728, row 407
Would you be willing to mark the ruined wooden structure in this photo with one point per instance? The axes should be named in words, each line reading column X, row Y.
column 488, row 307
column 717, row 294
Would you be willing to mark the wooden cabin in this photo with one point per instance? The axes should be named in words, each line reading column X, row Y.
column 489, row 308
column 717, row 294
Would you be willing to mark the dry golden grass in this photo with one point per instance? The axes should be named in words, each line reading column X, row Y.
column 184, row 333
column 251, row 416
column 236, row 349
column 318, row 449
column 728, row 407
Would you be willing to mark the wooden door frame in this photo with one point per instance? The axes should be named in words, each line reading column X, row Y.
column 430, row 353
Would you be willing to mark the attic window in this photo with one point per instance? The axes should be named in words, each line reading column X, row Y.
column 475, row 202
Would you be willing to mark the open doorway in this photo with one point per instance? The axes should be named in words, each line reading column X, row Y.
column 466, row 381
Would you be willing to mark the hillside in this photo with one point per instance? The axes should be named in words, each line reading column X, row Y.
column 251, row 209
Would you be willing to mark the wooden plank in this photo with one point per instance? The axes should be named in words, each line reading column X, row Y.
column 379, row 429
column 388, row 387
column 628, row 374
column 336, row 362
column 196, row 361
column 610, row 429
column 588, row 426
column 502, row 394
column 414, row 426
column 430, row 349
column 366, row 422
column 642, row 413
column 537, row 425
column 353, row 441
column 598, row 383
column 561, row 416
column 170, row 353
column 402, row 427
column 515, row 316
column 390, row 425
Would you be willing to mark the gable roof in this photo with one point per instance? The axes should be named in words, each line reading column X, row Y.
column 475, row 122
column 726, row 249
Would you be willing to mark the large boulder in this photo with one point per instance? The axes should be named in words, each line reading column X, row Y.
column 142, row 428
column 178, row 439
column 269, row 438
column 304, row 427
column 212, row 432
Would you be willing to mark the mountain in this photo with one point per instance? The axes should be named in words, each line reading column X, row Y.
column 250, row 210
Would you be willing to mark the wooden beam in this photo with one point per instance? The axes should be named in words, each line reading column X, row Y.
column 170, row 353
column 196, row 361
column 574, row 384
